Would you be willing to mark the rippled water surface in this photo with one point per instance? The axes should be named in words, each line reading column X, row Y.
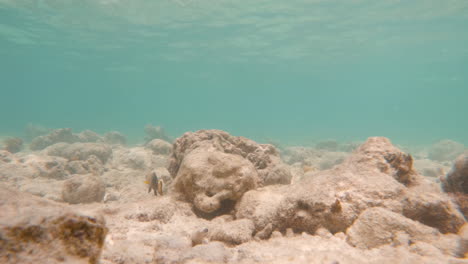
column 293, row 71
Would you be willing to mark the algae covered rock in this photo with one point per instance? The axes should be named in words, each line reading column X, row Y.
column 457, row 179
column 456, row 183
column 36, row 230
column 83, row 189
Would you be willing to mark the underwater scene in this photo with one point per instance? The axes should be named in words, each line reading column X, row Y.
column 221, row 131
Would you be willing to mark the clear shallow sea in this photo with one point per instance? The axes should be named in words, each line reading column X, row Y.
column 291, row 71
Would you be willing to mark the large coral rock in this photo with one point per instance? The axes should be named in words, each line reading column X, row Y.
column 377, row 226
column 212, row 179
column 80, row 151
column 376, row 174
column 457, row 179
column 264, row 157
column 83, row 189
column 35, row 230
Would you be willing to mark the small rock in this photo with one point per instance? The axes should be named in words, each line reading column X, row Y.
column 83, row 189
column 13, row 145
column 114, row 137
column 159, row 146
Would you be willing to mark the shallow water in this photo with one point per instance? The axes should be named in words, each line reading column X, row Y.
column 291, row 71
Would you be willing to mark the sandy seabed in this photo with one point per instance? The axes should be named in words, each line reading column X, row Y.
column 82, row 198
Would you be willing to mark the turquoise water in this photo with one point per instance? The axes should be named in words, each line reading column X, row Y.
column 292, row 71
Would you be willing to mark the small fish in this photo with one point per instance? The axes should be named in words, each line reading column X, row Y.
column 200, row 236
column 154, row 183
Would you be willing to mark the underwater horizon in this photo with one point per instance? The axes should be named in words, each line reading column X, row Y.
column 292, row 72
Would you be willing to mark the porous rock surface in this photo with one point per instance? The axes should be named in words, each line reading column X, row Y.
column 377, row 226
column 83, row 189
column 210, row 178
column 36, row 230
column 264, row 157
column 377, row 174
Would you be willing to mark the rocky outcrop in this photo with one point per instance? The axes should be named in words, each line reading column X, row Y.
column 457, row 179
column 456, row 183
column 35, row 230
column 80, row 151
column 13, row 145
column 156, row 132
column 114, row 137
column 232, row 232
column 87, row 136
column 213, row 180
column 377, row 174
column 377, row 226
column 46, row 166
column 159, row 146
column 91, row 165
column 56, row 136
column 65, row 135
column 264, row 157
column 83, row 189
